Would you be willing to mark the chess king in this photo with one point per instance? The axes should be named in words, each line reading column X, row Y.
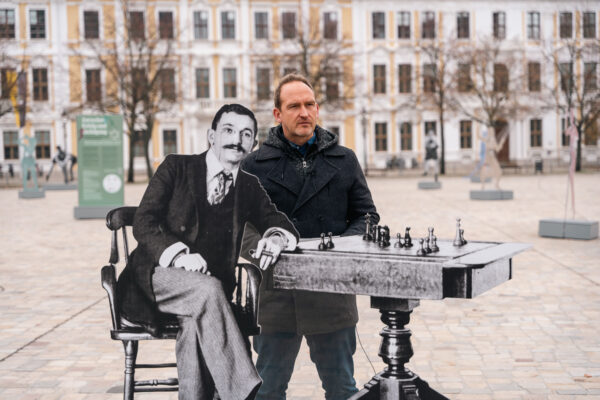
column 320, row 186
column 189, row 227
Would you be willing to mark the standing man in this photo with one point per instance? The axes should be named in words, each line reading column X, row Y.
column 431, row 155
column 320, row 186
column 189, row 227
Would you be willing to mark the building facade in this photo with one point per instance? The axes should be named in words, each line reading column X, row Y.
column 234, row 51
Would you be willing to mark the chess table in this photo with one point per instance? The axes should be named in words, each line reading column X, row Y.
column 396, row 279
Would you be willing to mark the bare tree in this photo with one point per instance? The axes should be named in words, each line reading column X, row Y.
column 493, row 81
column 439, row 84
column 577, row 92
column 11, row 68
column 320, row 54
column 139, row 72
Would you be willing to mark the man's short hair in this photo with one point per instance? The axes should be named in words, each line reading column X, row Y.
column 234, row 108
column 293, row 77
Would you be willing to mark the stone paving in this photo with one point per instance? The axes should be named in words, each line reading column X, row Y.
column 534, row 337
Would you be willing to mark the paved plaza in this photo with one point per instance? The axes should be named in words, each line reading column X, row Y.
column 534, row 337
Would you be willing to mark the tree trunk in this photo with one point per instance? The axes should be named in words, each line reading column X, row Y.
column 149, row 170
column 442, row 145
column 131, row 153
column 578, row 157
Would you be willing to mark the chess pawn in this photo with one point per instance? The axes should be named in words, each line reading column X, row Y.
column 457, row 238
column 322, row 245
column 376, row 234
column 407, row 239
column 384, row 236
column 330, row 244
column 434, row 245
column 399, row 243
column 421, row 251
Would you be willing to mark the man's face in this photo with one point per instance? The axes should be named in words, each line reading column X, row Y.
column 298, row 113
column 233, row 139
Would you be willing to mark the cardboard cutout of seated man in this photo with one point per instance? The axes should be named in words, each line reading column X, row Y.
column 65, row 161
column 189, row 227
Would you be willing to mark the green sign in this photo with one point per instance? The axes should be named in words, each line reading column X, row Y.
column 100, row 160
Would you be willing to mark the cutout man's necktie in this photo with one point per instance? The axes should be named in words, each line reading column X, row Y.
column 219, row 187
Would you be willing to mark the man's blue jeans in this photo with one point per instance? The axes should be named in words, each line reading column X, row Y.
column 331, row 353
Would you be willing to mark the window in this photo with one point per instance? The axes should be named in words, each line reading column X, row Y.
column 139, row 83
column 37, row 24
column 330, row 25
column 42, row 145
column 405, row 136
column 590, row 137
column 11, row 145
column 589, row 25
column 91, row 25
column 379, row 79
column 137, row 28
column 566, row 76
column 93, row 87
column 165, row 24
column 430, row 128
column 404, row 78
column 462, row 25
column 535, row 129
column 200, row 25
column 227, row 25
column 167, row 84
column 332, row 79
column 429, row 75
column 169, row 141
column 8, row 78
column 428, row 25
column 566, row 25
column 288, row 24
column 138, row 144
column 229, row 82
column 40, row 84
column 403, row 25
column 380, row 136
column 466, row 137
column 261, row 25
column 533, row 25
column 464, row 78
column 378, row 19
column 7, row 23
column 500, row 78
column 534, row 74
column 590, row 76
column 499, row 20
column 263, row 83
column 335, row 130
column 202, row 85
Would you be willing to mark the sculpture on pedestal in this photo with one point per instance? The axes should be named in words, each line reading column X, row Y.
column 489, row 166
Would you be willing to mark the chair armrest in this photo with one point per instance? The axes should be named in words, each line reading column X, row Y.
column 253, row 283
column 109, row 283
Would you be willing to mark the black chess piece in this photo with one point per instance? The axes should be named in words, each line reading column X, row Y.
column 421, row 251
column 427, row 246
column 322, row 245
column 462, row 237
column 376, row 233
column 434, row 246
column 399, row 243
column 407, row 239
column 384, row 236
column 330, row 244
column 367, row 235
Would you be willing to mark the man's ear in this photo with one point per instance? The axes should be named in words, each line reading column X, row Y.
column 210, row 134
column 277, row 114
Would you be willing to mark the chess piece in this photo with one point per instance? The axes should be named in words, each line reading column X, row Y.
column 322, row 245
column 462, row 237
column 376, row 234
column 399, row 243
column 457, row 238
column 427, row 245
column 330, row 244
column 434, row 245
column 421, row 251
column 367, row 235
column 407, row 238
column 384, row 236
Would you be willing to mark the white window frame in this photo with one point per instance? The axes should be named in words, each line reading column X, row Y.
column 236, row 34
column 11, row 6
column 269, row 23
column 97, row 9
column 36, row 7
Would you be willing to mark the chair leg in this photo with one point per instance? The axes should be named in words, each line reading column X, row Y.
column 131, row 348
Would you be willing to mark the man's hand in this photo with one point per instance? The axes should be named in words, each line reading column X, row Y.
column 268, row 250
column 191, row 262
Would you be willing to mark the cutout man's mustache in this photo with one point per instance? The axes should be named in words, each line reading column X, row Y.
column 237, row 147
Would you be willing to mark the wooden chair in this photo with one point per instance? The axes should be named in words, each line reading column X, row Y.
column 130, row 334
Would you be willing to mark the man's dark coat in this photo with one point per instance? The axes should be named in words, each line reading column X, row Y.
column 325, row 191
column 168, row 213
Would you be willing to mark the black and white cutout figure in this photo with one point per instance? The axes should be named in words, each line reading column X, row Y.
column 189, row 227
column 431, row 155
column 66, row 162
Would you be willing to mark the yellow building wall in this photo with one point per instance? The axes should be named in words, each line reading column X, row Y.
column 350, row 133
column 75, row 80
column 108, row 11
column 347, row 23
column 72, row 22
column 23, row 18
